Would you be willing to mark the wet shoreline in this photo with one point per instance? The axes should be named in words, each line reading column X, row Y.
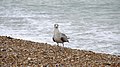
column 18, row 52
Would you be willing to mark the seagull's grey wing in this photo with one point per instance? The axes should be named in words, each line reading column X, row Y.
column 63, row 35
column 64, row 38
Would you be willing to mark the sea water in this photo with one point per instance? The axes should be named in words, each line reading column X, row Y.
column 90, row 24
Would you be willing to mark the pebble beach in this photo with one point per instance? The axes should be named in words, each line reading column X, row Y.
column 24, row 53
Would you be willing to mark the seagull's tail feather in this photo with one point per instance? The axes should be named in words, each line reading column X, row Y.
column 68, row 37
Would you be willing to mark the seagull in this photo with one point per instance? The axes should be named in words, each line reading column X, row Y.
column 59, row 37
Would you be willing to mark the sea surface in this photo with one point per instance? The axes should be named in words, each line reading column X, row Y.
column 90, row 24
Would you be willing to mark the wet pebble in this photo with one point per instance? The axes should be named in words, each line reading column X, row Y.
column 17, row 52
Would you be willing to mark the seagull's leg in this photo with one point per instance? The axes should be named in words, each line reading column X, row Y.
column 62, row 49
column 57, row 44
column 63, row 44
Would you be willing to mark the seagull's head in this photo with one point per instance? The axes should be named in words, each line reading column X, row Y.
column 56, row 25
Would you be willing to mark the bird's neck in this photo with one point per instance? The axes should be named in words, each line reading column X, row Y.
column 56, row 31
